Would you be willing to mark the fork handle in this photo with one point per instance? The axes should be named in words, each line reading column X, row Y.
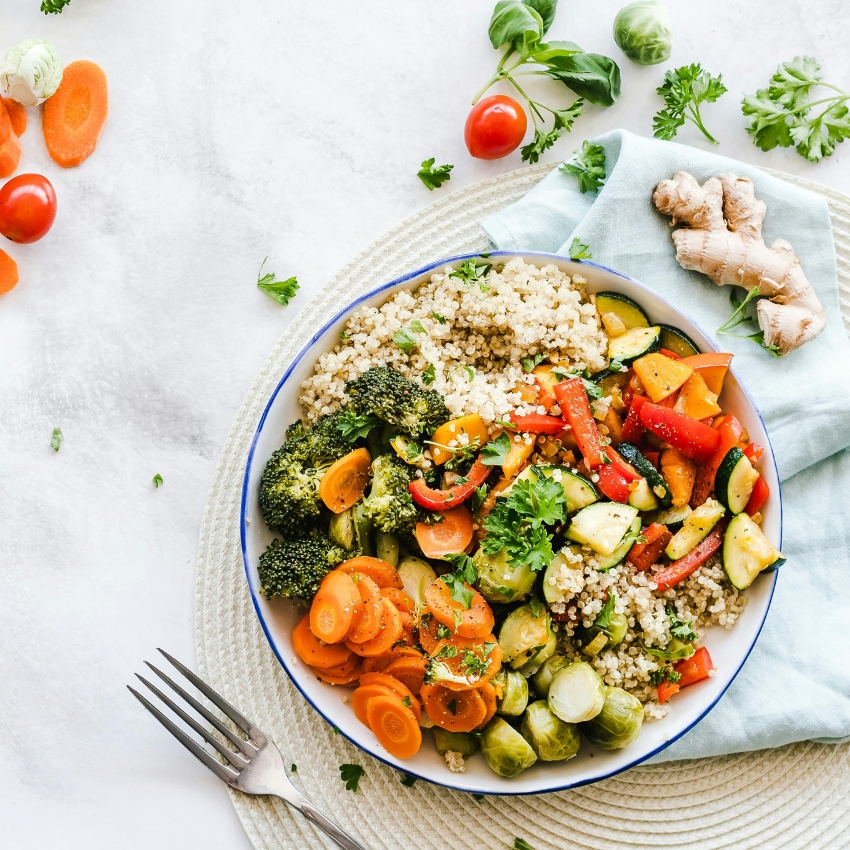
column 330, row 828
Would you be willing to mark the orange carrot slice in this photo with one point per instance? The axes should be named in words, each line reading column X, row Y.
column 10, row 153
column 457, row 711
column 397, row 687
column 74, row 116
column 475, row 621
column 488, row 694
column 379, row 663
column 389, row 632
column 336, row 607
column 17, row 115
column 399, row 598
column 362, row 695
column 383, row 573
column 347, row 673
column 368, row 624
column 312, row 651
column 394, row 725
column 344, row 482
column 452, row 534
column 410, row 671
column 8, row 273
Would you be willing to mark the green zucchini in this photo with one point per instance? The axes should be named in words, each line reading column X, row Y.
column 602, row 526
column 677, row 341
column 653, row 477
column 695, row 529
column 578, row 490
column 642, row 497
column 747, row 552
column 735, row 480
column 629, row 312
column 671, row 516
column 607, row 562
column 634, row 343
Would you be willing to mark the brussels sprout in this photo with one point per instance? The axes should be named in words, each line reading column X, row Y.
column 549, row 736
column 643, row 32
column 386, row 547
column 416, row 575
column 514, row 697
column 619, row 722
column 536, row 661
column 576, row 693
column 543, row 677
column 31, row 72
column 464, row 743
column 523, row 634
column 506, row 751
column 498, row 581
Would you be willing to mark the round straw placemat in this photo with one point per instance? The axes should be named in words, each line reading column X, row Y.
column 794, row 797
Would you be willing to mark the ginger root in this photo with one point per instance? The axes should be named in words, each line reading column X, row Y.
column 723, row 239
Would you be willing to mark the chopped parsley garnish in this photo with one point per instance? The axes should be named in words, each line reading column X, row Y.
column 157, row 480
column 335, row 730
column 294, row 768
column 407, row 780
column 56, row 439
column 594, row 391
column 460, row 455
column 681, row 629
column 496, row 451
column 353, row 425
column 471, row 271
column 536, row 607
column 283, row 291
column 522, row 844
column 343, row 334
column 528, row 363
column 478, row 497
column 351, row 775
column 443, row 631
column 478, row 797
column 579, row 250
column 404, row 340
column 429, row 375
column 441, row 319
column 407, row 703
column 417, row 327
column 465, row 573
column 588, row 164
column 433, row 177
column 666, row 674
column 602, row 623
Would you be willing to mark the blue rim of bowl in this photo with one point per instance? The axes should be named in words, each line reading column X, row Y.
column 243, row 527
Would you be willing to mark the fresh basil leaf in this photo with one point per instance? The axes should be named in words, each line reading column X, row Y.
column 515, row 23
column 555, row 50
column 590, row 75
column 546, row 9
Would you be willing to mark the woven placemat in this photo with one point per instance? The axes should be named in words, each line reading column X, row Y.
column 793, row 797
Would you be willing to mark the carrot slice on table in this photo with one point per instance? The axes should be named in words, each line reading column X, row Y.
column 363, row 694
column 312, row 651
column 475, row 621
column 17, row 115
column 74, row 116
column 10, row 154
column 397, row 687
column 344, row 482
column 389, row 631
column 336, row 607
column 383, row 573
column 488, row 694
column 452, row 534
column 410, row 671
column 368, row 624
column 457, row 711
column 8, row 273
column 394, row 725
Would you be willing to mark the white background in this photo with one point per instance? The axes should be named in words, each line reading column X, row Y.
column 236, row 130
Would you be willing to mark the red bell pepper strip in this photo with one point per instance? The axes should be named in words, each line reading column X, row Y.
column 758, row 497
column 441, row 500
column 731, row 432
column 652, row 457
column 643, row 555
column 613, row 484
column 694, row 669
column 671, row 354
column 575, row 409
column 681, row 569
column 632, row 427
column 754, row 452
column 690, row 436
column 666, row 690
column 622, row 466
column 537, row 423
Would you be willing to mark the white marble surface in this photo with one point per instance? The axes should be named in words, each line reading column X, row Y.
column 236, row 130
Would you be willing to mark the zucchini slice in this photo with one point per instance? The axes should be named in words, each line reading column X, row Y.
column 629, row 312
column 579, row 491
column 747, row 552
column 634, row 343
column 734, row 481
column 695, row 529
column 602, row 525
column 653, row 477
column 671, row 516
column 642, row 497
column 677, row 341
column 619, row 554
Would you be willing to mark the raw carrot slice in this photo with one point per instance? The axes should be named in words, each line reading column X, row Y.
column 396, row 686
column 6, row 129
column 336, row 607
column 410, row 671
column 343, row 483
column 10, row 154
column 349, row 678
column 457, row 711
column 475, row 621
column 8, row 273
column 17, row 115
column 389, row 632
column 368, row 624
column 312, row 651
column 488, row 694
column 383, row 573
column 452, row 534
column 362, row 695
column 394, row 725
column 74, row 116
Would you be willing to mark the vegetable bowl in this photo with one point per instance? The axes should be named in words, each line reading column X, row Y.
column 574, row 728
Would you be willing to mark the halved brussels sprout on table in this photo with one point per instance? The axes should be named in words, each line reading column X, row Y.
column 549, row 737
column 514, row 697
column 619, row 722
column 464, row 743
column 523, row 634
column 498, row 581
column 505, row 750
column 576, row 693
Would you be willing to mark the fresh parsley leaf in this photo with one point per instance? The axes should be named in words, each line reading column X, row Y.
column 353, row 425
column 665, row 674
column 602, row 623
column 471, row 271
column 683, row 90
column 437, row 317
column 443, row 631
column 522, row 844
column 536, row 607
column 294, row 768
column 617, row 365
column 283, row 291
column 351, row 774
column 579, row 251
column 335, row 730
column 53, row 7
column 433, row 177
column 157, row 480
column 478, row 797
column 478, row 497
column 506, row 423
column 473, row 664
column 460, row 455
column 343, row 335
column 417, row 327
column 528, row 363
column 407, row 780
column 406, row 702
column 429, row 375
column 539, row 145
column 496, row 451
column 588, row 164
column 403, row 339
column 56, row 439
column 540, row 498
column 679, row 628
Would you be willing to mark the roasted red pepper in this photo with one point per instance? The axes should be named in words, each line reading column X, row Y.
column 690, row 436
column 666, row 690
column 537, row 423
column 643, row 555
column 612, row 483
column 622, row 465
column 754, row 452
column 758, row 497
column 681, row 569
column 731, row 433
column 633, row 427
column 575, row 409
column 442, row 500
column 652, row 457
column 671, row 354
column 694, row 669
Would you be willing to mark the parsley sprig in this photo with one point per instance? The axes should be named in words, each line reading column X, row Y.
column 433, row 177
column 353, row 425
column 740, row 317
column 496, row 451
column 472, row 271
column 465, row 573
column 53, row 7
column 351, row 774
column 683, row 90
column 588, row 164
column 679, row 628
column 283, row 291
column 665, row 674
column 579, row 250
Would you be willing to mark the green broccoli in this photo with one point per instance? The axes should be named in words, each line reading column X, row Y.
column 387, row 394
column 295, row 568
column 389, row 503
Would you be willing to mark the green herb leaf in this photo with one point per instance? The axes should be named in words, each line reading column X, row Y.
column 591, row 76
column 579, row 251
column 417, row 327
column 283, row 291
column 343, row 335
column 403, row 339
column 522, row 844
column 406, row 702
column 588, row 164
column 478, row 797
column 516, row 23
column 441, row 319
column 407, row 780
column 351, row 775
column 496, row 451
column 294, row 768
column 53, row 7
column 335, row 730
column 429, row 375
column 433, row 177
column 528, row 363
column 551, row 50
column 471, row 271
column 56, row 439
column 353, row 426
column 683, row 90
column 536, row 607
column 478, row 497
column 546, row 9
column 157, row 480
column 539, row 145
column 679, row 628
column 602, row 623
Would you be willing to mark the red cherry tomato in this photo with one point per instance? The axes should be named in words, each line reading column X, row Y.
column 495, row 127
column 27, row 208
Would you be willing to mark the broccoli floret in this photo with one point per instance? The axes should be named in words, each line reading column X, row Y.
column 295, row 568
column 389, row 503
column 387, row 394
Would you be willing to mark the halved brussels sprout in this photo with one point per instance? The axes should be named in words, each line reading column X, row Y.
column 416, row 575
column 506, row 751
column 536, row 661
column 524, row 633
column 464, row 743
column 514, row 697
column 643, row 32
column 549, row 736
column 386, row 547
column 619, row 722
column 543, row 677
column 576, row 693
column 498, row 581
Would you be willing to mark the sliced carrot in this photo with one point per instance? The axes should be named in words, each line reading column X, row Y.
column 383, row 573
column 336, row 607
column 433, row 635
column 379, row 663
column 397, row 687
column 344, row 482
column 488, row 694
column 6, row 129
column 368, row 623
column 8, row 273
column 362, row 695
column 399, row 598
column 312, row 651
column 10, row 154
column 457, row 711
column 450, row 535
column 17, row 115
column 394, row 725
column 350, row 678
column 475, row 621
column 389, row 632
column 410, row 671
column 351, row 663
column 74, row 116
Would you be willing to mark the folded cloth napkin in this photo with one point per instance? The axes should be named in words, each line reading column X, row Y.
column 796, row 683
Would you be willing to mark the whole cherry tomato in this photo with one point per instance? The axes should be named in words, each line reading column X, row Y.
column 27, row 208
column 495, row 127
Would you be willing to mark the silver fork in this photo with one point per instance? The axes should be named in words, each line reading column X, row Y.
column 254, row 766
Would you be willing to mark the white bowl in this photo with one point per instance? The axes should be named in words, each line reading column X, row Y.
column 729, row 649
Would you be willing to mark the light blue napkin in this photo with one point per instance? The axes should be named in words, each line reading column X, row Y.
column 796, row 684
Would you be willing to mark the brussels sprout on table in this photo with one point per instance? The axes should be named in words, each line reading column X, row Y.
column 643, row 32
column 464, row 743
column 514, row 697
column 505, row 750
column 543, row 677
column 576, row 693
column 549, row 737
column 498, row 581
column 619, row 722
